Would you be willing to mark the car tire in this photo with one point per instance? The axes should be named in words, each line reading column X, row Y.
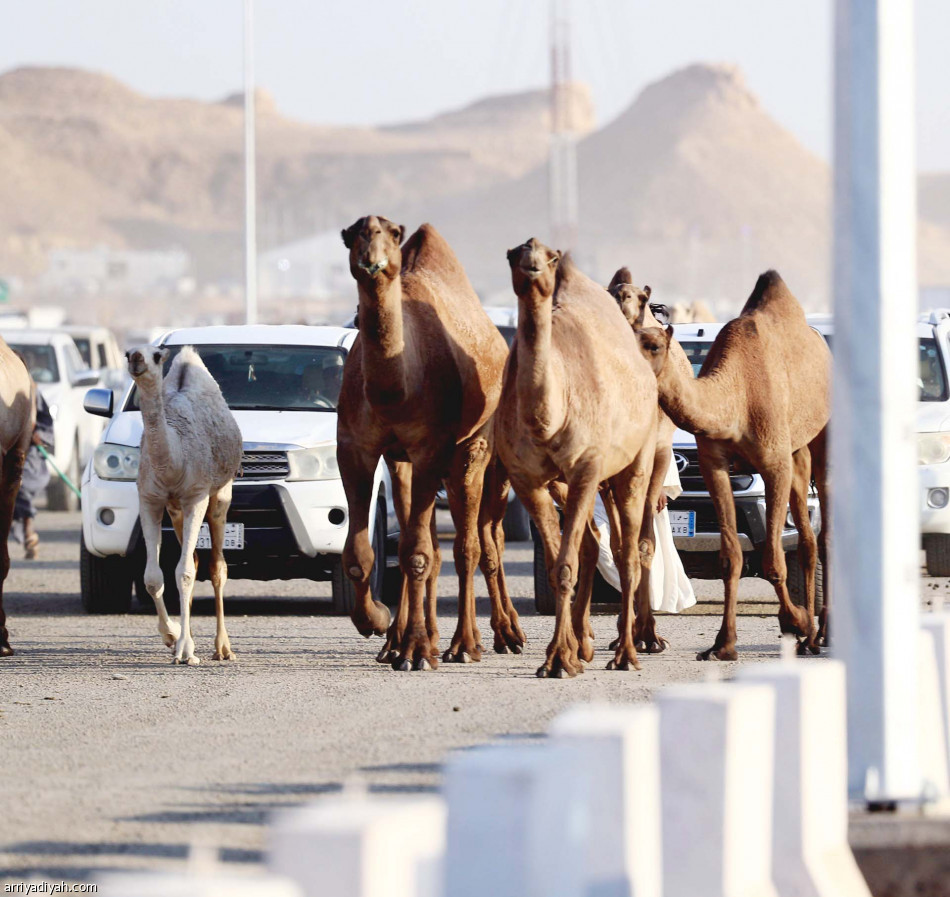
column 937, row 549
column 59, row 497
column 795, row 581
column 517, row 522
column 545, row 602
column 344, row 593
column 105, row 584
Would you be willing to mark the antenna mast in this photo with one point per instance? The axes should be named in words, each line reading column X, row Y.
column 562, row 187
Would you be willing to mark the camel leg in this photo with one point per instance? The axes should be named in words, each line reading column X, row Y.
column 217, row 515
column 194, row 515
column 807, row 543
column 629, row 489
column 401, row 475
column 150, row 514
column 465, row 484
column 716, row 476
column 432, row 591
column 12, row 471
column 509, row 636
column 562, row 654
column 358, row 469
column 778, row 486
column 819, row 466
column 645, row 635
column 416, row 558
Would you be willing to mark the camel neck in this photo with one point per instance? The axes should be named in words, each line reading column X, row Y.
column 534, row 376
column 383, row 342
column 161, row 450
column 705, row 406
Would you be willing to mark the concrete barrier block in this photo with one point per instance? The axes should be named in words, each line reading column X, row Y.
column 938, row 625
column 810, row 852
column 619, row 747
column 360, row 846
column 517, row 822
column 932, row 742
column 716, row 748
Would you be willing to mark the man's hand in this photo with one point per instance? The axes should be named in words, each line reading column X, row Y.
column 37, row 439
column 661, row 502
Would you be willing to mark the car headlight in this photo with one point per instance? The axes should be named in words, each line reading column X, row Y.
column 54, row 411
column 318, row 463
column 116, row 462
column 933, row 448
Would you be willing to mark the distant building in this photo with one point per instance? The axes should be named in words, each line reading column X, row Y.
column 316, row 268
column 106, row 270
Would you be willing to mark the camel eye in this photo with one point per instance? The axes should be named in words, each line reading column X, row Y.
column 157, row 357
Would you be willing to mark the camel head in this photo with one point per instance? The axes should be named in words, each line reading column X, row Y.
column 632, row 300
column 145, row 364
column 374, row 244
column 655, row 346
column 533, row 265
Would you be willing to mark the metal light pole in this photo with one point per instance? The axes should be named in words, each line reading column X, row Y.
column 250, row 159
column 876, row 563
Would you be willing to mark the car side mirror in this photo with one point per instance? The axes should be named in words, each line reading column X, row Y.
column 86, row 378
column 98, row 402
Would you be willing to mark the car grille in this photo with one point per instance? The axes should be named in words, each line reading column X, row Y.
column 692, row 479
column 264, row 466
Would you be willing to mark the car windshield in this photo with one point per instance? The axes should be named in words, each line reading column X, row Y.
column 271, row 378
column 931, row 377
column 40, row 362
column 696, row 352
column 84, row 350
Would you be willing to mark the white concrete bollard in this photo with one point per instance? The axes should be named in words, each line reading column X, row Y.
column 619, row 747
column 810, row 852
column 716, row 746
column 517, row 823
column 355, row 845
column 939, row 625
column 932, row 741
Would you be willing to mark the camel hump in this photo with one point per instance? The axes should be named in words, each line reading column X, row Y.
column 769, row 289
column 186, row 371
column 428, row 249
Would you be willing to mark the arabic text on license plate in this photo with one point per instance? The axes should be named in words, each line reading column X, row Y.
column 683, row 523
column 233, row 536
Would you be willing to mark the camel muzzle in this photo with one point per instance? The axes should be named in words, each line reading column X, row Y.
column 374, row 268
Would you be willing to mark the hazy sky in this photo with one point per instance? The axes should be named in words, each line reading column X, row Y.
column 378, row 61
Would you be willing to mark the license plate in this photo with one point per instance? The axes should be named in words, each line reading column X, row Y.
column 683, row 523
column 233, row 536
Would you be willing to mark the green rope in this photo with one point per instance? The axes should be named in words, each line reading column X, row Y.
column 59, row 473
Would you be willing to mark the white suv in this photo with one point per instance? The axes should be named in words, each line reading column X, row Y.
column 288, row 516
column 63, row 378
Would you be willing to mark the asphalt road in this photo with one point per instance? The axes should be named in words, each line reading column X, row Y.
column 111, row 757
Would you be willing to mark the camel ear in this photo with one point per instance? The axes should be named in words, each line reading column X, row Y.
column 349, row 233
column 510, row 255
column 647, row 291
column 127, row 352
column 669, row 333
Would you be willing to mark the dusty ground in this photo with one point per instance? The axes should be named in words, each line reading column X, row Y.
column 112, row 757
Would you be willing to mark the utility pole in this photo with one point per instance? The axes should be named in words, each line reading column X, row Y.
column 562, row 166
column 876, row 560
column 250, row 180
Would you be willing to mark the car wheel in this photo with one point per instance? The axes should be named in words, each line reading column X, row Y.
column 517, row 522
column 795, row 581
column 105, row 584
column 545, row 602
column 344, row 593
column 937, row 549
column 59, row 497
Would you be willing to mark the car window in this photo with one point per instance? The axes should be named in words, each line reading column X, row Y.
column 40, row 362
column 931, row 377
column 271, row 378
column 74, row 362
column 84, row 350
column 696, row 352
column 101, row 353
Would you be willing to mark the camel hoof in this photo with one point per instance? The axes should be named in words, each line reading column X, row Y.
column 376, row 624
column 656, row 645
column 718, row 654
column 805, row 648
column 423, row 665
column 224, row 655
column 404, row 667
column 6, row 651
column 542, row 673
column 387, row 655
column 502, row 649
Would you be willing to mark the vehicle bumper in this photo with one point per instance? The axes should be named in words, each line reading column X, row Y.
column 934, row 477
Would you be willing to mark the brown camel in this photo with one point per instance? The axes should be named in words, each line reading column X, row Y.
column 761, row 400
column 635, row 305
column 577, row 410
column 18, row 397
column 420, row 387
